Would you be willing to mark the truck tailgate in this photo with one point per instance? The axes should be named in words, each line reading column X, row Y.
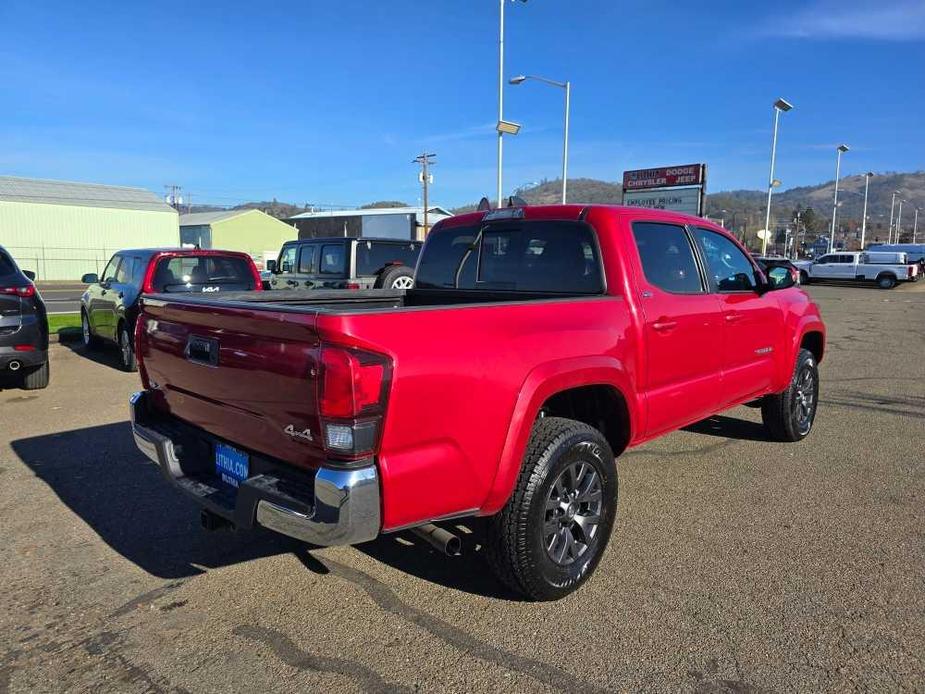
column 239, row 374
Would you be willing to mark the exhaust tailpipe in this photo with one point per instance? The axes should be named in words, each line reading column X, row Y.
column 15, row 365
column 440, row 539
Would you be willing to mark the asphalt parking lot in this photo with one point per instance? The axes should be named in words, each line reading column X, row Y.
column 737, row 564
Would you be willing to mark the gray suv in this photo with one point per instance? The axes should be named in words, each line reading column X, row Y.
column 23, row 327
column 345, row 263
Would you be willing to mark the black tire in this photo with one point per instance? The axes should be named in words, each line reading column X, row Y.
column 886, row 281
column 90, row 340
column 516, row 539
column 127, row 350
column 804, row 277
column 789, row 416
column 36, row 378
column 396, row 277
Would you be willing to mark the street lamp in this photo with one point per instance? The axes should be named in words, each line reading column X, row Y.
column 864, row 220
column 567, row 86
column 840, row 150
column 889, row 236
column 899, row 221
column 915, row 224
column 780, row 106
column 501, row 95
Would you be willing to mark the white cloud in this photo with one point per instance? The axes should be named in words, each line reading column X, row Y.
column 889, row 20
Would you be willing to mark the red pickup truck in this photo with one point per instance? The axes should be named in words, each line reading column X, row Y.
column 538, row 344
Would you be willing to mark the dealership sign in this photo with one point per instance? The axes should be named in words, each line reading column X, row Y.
column 678, row 188
column 686, row 200
column 665, row 177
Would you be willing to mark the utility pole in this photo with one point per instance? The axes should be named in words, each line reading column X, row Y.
column 174, row 196
column 899, row 222
column 915, row 224
column 425, row 160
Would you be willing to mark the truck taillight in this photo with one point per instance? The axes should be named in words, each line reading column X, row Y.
column 353, row 387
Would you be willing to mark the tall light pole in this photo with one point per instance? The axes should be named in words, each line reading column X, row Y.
column 567, row 86
column 780, row 106
column 864, row 221
column 915, row 224
column 840, row 150
column 889, row 235
column 899, row 221
column 501, row 97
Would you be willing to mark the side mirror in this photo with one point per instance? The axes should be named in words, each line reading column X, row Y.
column 90, row 278
column 780, row 277
column 271, row 266
column 29, row 275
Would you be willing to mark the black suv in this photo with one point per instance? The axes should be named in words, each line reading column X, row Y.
column 345, row 263
column 23, row 327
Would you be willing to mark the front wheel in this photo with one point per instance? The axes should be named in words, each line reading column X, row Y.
column 550, row 536
column 804, row 277
column 127, row 350
column 789, row 416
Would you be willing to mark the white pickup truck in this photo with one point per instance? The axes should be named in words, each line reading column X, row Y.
column 886, row 269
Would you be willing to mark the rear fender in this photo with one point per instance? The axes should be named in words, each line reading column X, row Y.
column 542, row 383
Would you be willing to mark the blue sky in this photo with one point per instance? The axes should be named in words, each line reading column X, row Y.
column 328, row 102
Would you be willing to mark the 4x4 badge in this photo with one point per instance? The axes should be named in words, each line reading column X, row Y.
column 305, row 434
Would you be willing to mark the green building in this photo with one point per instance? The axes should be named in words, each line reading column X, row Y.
column 250, row 231
column 61, row 230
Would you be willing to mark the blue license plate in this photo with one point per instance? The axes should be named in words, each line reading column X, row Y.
column 232, row 465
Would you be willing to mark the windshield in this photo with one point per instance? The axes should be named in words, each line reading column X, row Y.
column 540, row 256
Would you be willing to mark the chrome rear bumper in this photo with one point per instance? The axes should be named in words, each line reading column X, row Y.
column 344, row 509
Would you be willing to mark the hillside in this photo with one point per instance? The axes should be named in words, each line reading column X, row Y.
column 744, row 210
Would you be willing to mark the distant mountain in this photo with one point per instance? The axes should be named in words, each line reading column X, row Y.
column 743, row 211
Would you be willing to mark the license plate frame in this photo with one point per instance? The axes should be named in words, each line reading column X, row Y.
column 232, row 465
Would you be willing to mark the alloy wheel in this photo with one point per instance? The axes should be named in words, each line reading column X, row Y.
column 403, row 283
column 573, row 513
column 804, row 398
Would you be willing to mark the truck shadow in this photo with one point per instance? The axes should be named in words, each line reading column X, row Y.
column 102, row 477
column 730, row 428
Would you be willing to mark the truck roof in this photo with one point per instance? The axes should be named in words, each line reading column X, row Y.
column 329, row 239
column 570, row 212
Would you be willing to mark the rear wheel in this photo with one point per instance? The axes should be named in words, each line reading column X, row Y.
column 551, row 534
column 396, row 277
column 36, row 378
column 127, row 350
column 885, row 281
column 804, row 277
column 90, row 340
column 789, row 416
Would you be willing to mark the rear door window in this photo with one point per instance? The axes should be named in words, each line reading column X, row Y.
column 373, row 256
column 307, row 262
column 541, row 256
column 202, row 273
column 333, row 259
column 667, row 257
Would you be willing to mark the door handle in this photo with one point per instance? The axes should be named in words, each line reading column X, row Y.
column 733, row 317
column 665, row 325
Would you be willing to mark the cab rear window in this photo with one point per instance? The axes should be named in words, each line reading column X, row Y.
column 188, row 273
column 539, row 256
